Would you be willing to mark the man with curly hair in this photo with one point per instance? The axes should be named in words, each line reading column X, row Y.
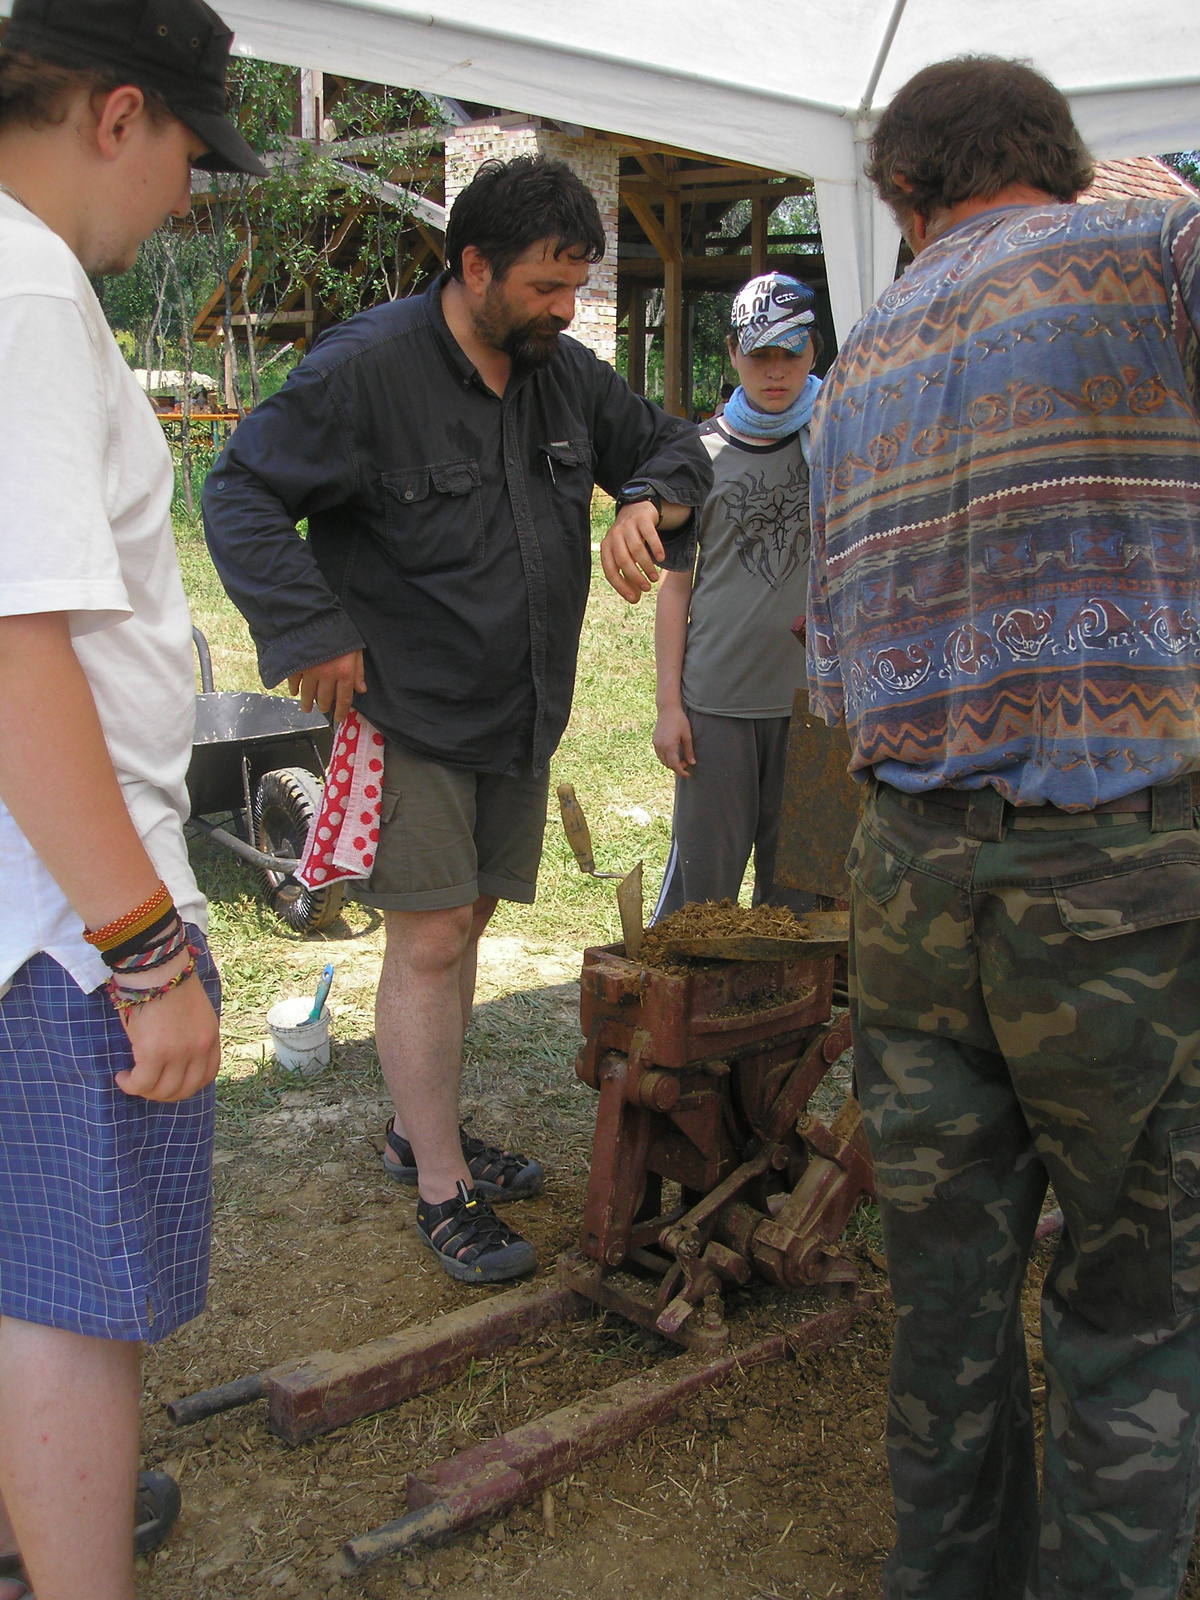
column 1003, row 608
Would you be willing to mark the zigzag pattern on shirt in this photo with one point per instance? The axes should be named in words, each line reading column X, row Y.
column 1119, row 733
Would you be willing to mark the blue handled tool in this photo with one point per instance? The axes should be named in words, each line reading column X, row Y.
column 324, row 983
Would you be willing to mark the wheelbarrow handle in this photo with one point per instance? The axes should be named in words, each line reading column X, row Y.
column 205, row 655
column 239, row 847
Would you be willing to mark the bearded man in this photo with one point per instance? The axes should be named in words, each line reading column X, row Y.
column 444, row 449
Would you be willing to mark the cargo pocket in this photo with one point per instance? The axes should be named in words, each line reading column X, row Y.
column 1127, row 902
column 873, row 870
column 434, row 516
column 1185, row 1220
column 569, row 483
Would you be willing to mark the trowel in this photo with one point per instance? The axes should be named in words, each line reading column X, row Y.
column 578, row 835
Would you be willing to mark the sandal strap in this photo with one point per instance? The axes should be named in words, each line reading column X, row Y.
column 489, row 1164
column 400, row 1146
column 474, row 1229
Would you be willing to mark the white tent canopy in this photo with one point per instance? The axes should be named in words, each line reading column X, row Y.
column 788, row 84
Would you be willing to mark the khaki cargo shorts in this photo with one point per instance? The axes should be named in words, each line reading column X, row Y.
column 447, row 836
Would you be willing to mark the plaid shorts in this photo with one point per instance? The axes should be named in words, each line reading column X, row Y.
column 105, row 1200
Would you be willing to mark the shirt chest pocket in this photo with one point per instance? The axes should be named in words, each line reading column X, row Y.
column 567, row 464
column 434, row 516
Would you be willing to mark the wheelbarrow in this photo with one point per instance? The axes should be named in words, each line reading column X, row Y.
column 262, row 758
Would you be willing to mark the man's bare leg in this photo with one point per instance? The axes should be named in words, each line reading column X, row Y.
column 424, row 1001
column 69, row 1428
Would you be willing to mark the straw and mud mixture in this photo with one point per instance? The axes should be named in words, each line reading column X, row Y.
column 715, row 919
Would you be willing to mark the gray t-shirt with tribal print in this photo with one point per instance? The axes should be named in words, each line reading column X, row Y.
column 751, row 579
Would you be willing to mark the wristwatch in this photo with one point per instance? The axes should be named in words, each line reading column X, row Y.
column 634, row 494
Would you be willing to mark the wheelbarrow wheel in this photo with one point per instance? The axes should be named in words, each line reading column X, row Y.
column 285, row 805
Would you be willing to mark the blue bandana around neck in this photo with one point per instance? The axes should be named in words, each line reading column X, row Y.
column 743, row 418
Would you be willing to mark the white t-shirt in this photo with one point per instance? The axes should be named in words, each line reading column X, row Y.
column 85, row 528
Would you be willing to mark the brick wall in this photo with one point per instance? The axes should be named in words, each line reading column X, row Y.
column 595, row 321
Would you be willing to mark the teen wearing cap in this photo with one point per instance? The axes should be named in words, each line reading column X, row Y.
column 726, row 661
column 108, row 1035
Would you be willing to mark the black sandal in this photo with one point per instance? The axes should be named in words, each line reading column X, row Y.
column 12, row 1570
column 470, row 1241
column 157, row 1510
column 497, row 1174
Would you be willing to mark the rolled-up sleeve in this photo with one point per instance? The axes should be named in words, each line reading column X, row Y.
column 291, row 457
column 637, row 441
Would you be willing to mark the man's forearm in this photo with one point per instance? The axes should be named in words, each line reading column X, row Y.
column 56, row 776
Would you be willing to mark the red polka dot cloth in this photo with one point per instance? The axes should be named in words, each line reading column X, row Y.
column 344, row 834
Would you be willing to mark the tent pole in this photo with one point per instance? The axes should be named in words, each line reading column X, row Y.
column 889, row 33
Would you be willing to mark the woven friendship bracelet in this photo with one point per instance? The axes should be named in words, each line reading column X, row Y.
column 153, row 949
column 125, row 1001
column 146, row 939
column 138, row 921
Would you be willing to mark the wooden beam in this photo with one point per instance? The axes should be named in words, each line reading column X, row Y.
column 630, row 145
column 658, row 234
column 730, row 193
column 653, row 168
column 758, row 236
column 431, row 240
column 689, row 356
column 673, row 309
column 721, row 187
column 635, row 364
column 717, row 272
column 414, row 264
column 267, row 319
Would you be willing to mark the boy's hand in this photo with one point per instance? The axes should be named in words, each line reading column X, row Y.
column 630, row 549
column 332, row 685
column 175, row 1039
column 673, row 741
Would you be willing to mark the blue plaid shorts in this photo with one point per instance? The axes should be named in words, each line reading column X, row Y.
column 105, row 1200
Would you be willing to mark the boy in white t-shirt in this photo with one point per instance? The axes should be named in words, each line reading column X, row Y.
column 108, row 1035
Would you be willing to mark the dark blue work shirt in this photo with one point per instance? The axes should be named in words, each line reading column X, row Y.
column 449, row 532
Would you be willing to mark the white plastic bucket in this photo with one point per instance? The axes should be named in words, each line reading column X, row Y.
column 300, row 1046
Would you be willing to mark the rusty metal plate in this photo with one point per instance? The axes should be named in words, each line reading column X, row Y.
column 820, row 807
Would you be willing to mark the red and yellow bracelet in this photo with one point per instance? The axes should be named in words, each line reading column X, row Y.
column 124, row 929
column 126, row 1000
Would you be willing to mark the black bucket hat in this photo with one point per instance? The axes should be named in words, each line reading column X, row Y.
column 179, row 47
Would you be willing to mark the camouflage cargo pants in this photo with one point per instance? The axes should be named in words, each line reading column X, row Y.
column 1025, row 996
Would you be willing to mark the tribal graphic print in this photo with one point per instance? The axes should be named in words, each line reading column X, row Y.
column 1005, row 581
column 772, row 533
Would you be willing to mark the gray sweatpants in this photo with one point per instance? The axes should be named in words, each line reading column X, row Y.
column 728, row 807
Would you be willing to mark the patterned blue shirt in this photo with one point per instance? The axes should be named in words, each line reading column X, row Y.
column 1005, row 580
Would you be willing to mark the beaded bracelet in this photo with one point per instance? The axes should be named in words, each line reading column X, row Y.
column 122, row 930
column 125, row 1001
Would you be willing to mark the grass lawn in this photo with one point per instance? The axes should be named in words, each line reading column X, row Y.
column 530, row 951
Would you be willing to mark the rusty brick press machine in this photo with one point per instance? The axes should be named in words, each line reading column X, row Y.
column 709, row 1170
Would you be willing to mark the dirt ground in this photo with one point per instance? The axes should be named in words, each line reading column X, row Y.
column 774, row 1486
